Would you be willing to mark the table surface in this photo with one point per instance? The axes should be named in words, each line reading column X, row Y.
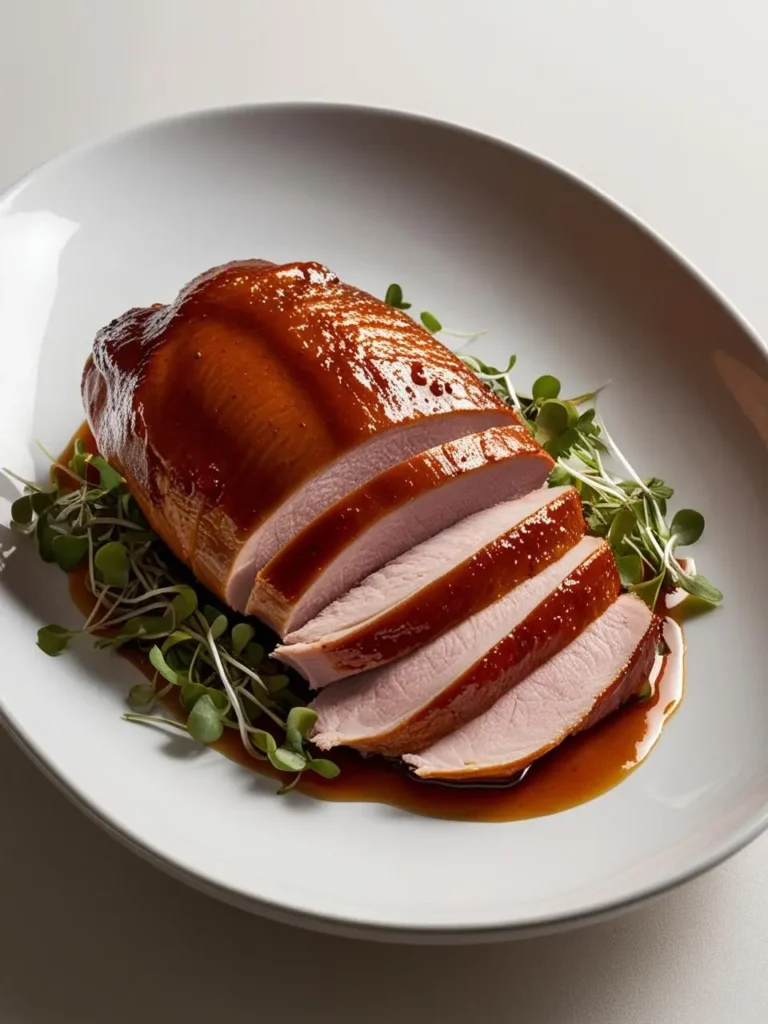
column 662, row 105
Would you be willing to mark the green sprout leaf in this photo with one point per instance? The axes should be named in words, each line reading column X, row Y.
column 111, row 560
column 42, row 500
column 546, row 387
column 327, row 769
column 147, row 626
column 630, row 570
column 192, row 692
column 302, row 719
column 287, row 760
column 623, row 524
column 277, row 683
column 109, row 478
column 242, row 634
column 22, row 511
column 700, row 586
column 253, row 655
column 561, row 445
column 219, row 627
column 69, row 550
column 78, row 461
column 263, row 741
column 554, row 418
column 53, row 639
column 650, row 590
column 161, row 665
column 141, row 696
column 430, row 322
column 173, row 639
column 183, row 604
column 45, row 537
column 687, row 526
column 559, row 477
column 204, row 723
column 394, row 297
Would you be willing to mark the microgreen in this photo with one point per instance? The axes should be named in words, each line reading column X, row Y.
column 430, row 322
column 53, row 639
column 545, row 387
column 141, row 695
column 205, row 720
column 394, row 297
column 143, row 597
column 215, row 662
column 627, row 510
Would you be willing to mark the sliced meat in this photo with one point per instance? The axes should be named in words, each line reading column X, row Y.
column 385, row 517
column 589, row 679
column 261, row 396
column 410, row 704
column 436, row 585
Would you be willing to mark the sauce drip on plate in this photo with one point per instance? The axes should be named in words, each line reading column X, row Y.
column 581, row 768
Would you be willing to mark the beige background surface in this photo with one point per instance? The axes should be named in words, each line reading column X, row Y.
column 661, row 104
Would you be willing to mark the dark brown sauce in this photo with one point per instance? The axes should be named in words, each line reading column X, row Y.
column 580, row 769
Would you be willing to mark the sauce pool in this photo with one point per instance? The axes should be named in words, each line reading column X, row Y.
column 580, row 769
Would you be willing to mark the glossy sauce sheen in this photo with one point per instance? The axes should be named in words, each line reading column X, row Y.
column 580, row 769
column 579, row 600
column 217, row 407
column 303, row 560
column 470, row 587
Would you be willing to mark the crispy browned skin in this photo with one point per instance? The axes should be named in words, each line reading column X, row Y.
column 302, row 561
column 217, row 407
column 626, row 683
column 525, row 550
column 584, row 595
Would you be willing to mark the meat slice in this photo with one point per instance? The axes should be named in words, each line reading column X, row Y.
column 410, row 704
column 385, row 517
column 589, row 679
column 436, row 585
column 260, row 397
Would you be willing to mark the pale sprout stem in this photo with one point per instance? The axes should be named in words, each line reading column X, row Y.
column 512, row 392
column 107, row 620
column 137, row 572
column 242, row 724
column 92, row 616
column 654, row 543
column 668, row 558
column 150, row 594
column 193, row 663
column 638, row 551
column 267, row 711
column 600, row 468
column 468, row 336
column 98, row 592
column 591, row 481
column 153, row 720
column 114, row 521
column 247, row 671
column 661, row 525
column 619, row 455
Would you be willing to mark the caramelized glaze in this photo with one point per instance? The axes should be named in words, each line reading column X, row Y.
column 580, row 769
column 308, row 555
column 582, row 596
column 471, row 586
column 219, row 406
